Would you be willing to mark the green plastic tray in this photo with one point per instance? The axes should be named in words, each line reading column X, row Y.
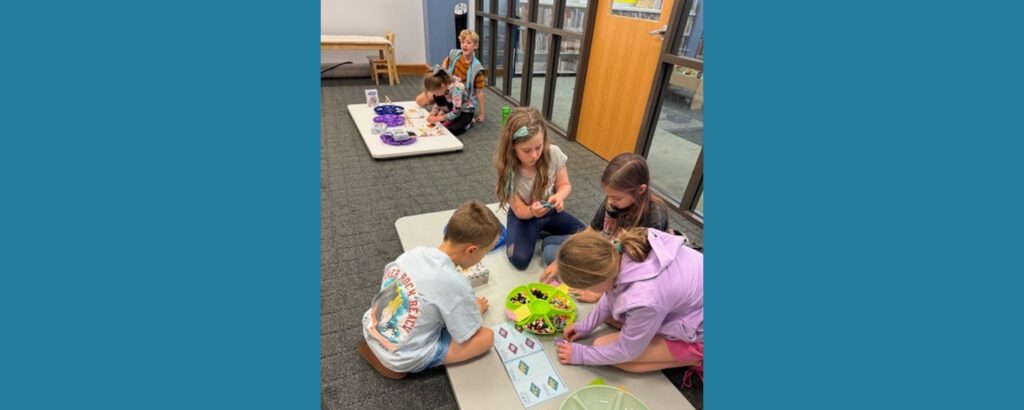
column 550, row 309
column 602, row 397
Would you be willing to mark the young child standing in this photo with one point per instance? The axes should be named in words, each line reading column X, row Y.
column 426, row 313
column 653, row 284
column 453, row 106
column 533, row 183
column 628, row 203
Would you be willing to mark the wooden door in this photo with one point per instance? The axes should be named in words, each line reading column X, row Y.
column 622, row 63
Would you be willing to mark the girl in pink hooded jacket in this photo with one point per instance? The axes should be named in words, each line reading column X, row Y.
column 653, row 285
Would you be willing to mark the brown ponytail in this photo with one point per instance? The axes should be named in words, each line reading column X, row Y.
column 587, row 259
column 634, row 243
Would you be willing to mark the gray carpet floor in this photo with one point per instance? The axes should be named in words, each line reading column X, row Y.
column 360, row 200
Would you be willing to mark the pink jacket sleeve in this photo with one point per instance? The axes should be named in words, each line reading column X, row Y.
column 640, row 325
column 601, row 312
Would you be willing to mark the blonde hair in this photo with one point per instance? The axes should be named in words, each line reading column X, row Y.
column 627, row 172
column 506, row 162
column 473, row 223
column 589, row 258
column 469, row 33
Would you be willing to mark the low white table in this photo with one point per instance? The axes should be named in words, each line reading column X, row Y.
column 363, row 115
column 482, row 383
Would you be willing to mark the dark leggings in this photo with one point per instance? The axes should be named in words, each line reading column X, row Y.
column 521, row 238
column 461, row 123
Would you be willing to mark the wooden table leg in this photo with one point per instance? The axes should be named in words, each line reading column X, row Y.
column 392, row 69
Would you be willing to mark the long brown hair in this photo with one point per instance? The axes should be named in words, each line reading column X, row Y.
column 506, row 162
column 627, row 172
column 589, row 258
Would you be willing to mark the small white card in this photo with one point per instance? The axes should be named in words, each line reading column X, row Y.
column 528, row 367
column 371, row 98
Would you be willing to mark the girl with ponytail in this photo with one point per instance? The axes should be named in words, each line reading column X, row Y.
column 650, row 282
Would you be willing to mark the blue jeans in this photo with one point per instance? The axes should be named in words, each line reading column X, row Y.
column 521, row 237
column 549, row 247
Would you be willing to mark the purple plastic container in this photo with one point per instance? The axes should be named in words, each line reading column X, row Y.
column 388, row 139
column 392, row 120
column 389, row 109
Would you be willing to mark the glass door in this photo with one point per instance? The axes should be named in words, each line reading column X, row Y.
column 672, row 138
column 536, row 52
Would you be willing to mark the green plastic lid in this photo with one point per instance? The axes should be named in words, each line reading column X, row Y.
column 602, row 397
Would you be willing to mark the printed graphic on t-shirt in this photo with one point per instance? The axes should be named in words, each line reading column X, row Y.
column 395, row 309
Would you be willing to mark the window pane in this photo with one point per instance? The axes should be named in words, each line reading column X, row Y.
column 545, row 9
column 503, row 8
column 692, row 42
column 540, row 61
column 575, row 15
column 565, row 82
column 499, row 57
column 518, row 40
column 485, row 44
column 487, row 6
column 679, row 135
column 522, row 9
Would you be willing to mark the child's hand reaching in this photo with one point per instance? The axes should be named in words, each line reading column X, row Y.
column 550, row 273
column 565, row 351
column 570, row 334
column 556, row 203
column 587, row 296
column 481, row 302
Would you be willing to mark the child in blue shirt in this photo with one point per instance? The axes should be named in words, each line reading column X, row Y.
column 426, row 313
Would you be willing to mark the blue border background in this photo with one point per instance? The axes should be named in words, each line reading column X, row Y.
column 160, row 168
column 863, row 184
column 159, row 234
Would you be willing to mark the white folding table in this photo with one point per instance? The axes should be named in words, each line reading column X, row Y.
column 363, row 115
column 482, row 383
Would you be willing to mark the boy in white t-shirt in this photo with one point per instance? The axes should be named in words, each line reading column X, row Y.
column 426, row 313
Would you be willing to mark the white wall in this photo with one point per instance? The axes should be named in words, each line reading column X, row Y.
column 374, row 17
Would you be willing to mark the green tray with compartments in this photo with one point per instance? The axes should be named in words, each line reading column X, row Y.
column 540, row 308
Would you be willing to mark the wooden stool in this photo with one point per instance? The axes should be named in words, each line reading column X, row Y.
column 382, row 63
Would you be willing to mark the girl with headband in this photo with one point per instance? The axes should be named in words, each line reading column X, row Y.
column 533, row 184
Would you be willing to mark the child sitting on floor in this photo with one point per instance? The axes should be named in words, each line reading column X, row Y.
column 653, row 284
column 452, row 106
column 533, row 183
column 426, row 314
column 462, row 63
column 628, row 203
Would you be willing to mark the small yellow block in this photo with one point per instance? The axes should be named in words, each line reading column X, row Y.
column 521, row 313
